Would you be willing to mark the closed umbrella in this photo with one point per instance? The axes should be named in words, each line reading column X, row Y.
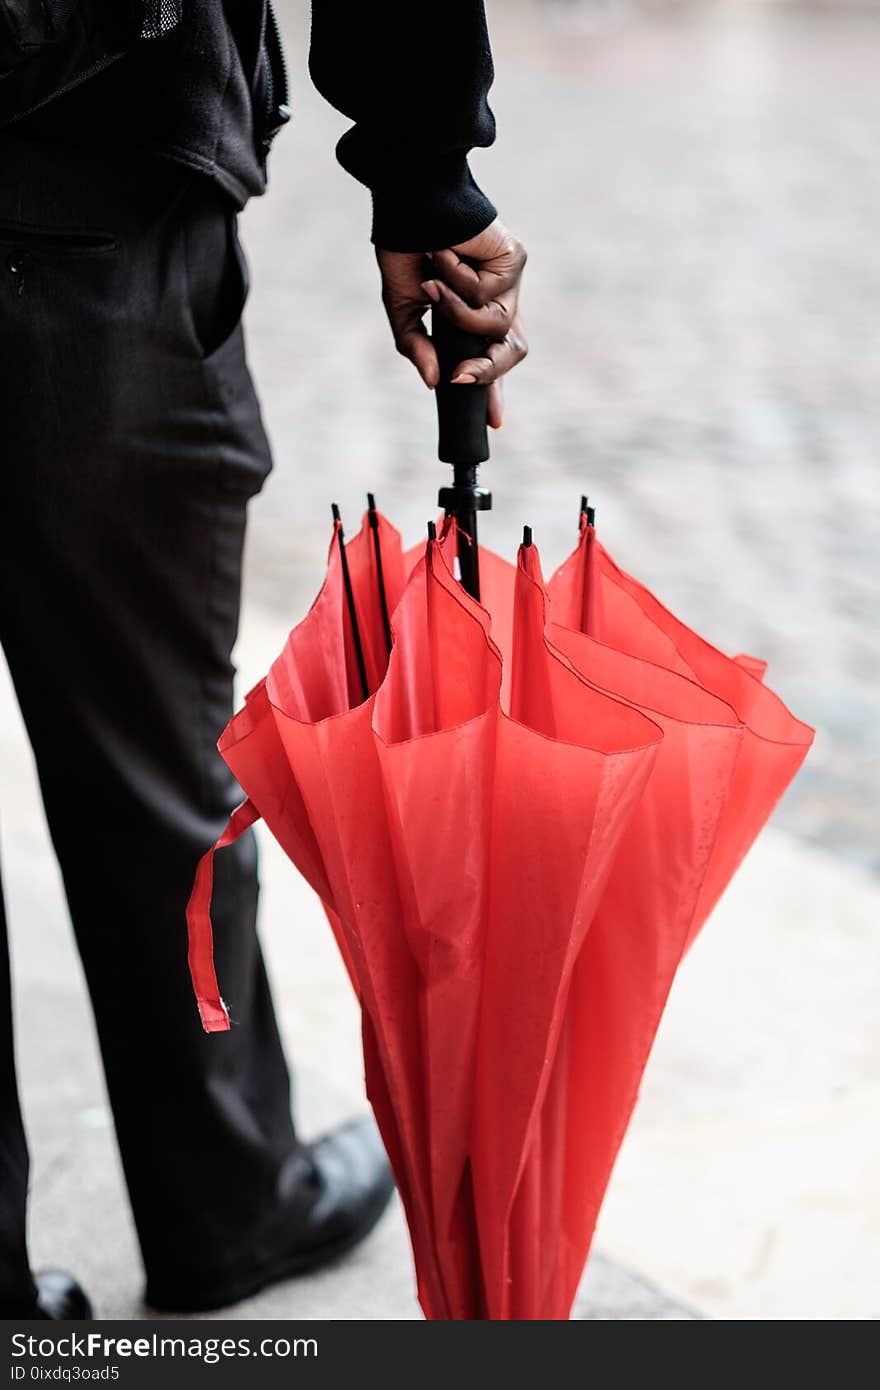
column 517, row 813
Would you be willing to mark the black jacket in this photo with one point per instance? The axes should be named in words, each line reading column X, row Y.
column 203, row 82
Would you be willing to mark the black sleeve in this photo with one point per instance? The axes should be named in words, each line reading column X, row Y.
column 414, row 77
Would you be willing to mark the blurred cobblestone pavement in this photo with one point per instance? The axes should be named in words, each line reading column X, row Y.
column 697, row 186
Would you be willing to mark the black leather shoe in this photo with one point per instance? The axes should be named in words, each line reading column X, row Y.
column 60, row 1297
column 332, row 1194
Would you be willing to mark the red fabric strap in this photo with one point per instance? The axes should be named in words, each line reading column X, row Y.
column 213, row 1012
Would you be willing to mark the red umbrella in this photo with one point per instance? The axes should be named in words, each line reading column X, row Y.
column 512, row 889
column 516, row 822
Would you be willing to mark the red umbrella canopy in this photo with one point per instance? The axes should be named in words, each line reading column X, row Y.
column 515, row 836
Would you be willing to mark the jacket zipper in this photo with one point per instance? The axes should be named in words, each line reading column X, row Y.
column 277, row 111
column 273, row 43
column 270, row 85
column 68, row 87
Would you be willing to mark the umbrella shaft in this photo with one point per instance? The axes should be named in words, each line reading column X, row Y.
column 468, row 553
column 462, row 501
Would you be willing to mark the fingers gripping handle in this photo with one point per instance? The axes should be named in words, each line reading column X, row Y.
column 461, row 410
column 463, row 441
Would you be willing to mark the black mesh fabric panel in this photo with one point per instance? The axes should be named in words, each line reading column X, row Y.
column 159, row 17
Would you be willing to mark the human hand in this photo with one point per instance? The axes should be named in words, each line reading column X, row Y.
column 482, row 298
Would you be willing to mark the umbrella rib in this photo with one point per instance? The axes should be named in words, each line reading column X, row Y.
column 380, row 577
column 349, row 597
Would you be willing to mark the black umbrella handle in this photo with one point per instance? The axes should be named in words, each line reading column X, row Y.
column 461, row 410
column 463, row 441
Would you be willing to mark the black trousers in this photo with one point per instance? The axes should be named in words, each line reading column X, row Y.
column 130, row 443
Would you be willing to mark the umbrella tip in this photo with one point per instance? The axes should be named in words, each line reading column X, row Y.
column 432, row 531
column 584, row 500
column 371, row 501
column 527, row 536
column 591, row 515
column 334, row 508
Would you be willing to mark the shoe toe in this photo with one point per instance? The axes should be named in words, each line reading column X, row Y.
column 60, row 1297
column 352, row 1181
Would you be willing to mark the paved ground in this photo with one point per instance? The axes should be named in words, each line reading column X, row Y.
column 704, row 363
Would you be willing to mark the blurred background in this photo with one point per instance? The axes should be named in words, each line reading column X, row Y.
column 697, row 186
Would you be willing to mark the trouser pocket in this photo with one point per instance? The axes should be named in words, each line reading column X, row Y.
column 216, row 273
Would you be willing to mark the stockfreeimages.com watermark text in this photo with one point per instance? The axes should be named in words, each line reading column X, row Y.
column 28, row 1351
